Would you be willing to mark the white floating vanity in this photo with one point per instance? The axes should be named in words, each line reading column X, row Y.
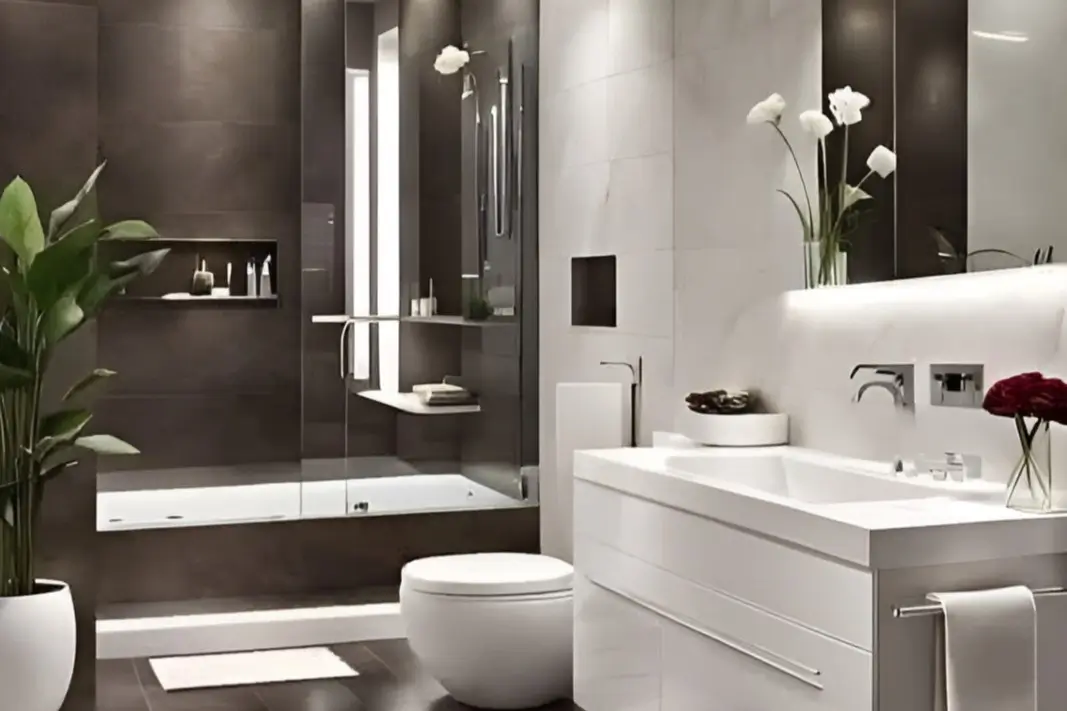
column 766, row 580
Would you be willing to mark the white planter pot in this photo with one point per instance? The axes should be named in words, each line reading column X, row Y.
column 37, row 647
column 756, row 430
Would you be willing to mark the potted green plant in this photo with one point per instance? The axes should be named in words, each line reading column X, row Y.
column 53, row 280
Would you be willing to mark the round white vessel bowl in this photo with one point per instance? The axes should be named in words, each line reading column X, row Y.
column 37, row 646
column 754, row 430
column 494, row 629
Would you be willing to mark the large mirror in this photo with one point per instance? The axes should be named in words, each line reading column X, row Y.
column 968, row 94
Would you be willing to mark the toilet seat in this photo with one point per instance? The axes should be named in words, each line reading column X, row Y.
column 488, row 575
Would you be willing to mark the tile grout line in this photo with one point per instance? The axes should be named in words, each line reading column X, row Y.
column 140, row 685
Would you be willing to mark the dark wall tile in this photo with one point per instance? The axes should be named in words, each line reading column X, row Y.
column 202, row 430
column 195, row 167
column 931, row 132
column 304, row 556
column 858, row 38
column 240, row 14
column 169, row 352
column 48, row 127
column 361, row 41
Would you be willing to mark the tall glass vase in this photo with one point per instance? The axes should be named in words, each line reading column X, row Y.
column 1030, row 486
column 824, row 265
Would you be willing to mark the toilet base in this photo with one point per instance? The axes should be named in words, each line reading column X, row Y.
column 511, row 652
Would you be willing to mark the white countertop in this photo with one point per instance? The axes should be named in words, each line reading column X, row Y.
column 871, row 534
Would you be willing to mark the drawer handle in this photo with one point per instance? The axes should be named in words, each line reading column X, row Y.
column 787, row 666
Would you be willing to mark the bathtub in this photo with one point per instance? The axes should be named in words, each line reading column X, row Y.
column 221, row 505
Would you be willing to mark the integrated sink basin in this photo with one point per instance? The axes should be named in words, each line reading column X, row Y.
column 850, row 509
column 794, row 477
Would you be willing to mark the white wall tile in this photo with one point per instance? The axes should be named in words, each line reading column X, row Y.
column 641, row 112
column 573, row 127
column 640, row 34
column 575, row 208
column 640, row 203
column 708, row 24
column 645, row 284
column 574, row 43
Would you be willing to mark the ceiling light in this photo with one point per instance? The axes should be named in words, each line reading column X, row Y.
column 1007, row 36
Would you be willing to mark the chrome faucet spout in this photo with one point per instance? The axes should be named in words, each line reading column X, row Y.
column 892, row 388
column 898, row 380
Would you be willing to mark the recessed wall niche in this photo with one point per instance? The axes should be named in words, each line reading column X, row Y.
column 593, row 291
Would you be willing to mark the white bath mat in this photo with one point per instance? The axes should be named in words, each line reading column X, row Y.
column 246, row 668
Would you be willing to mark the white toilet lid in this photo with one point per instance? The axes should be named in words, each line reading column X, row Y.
column 488, row 574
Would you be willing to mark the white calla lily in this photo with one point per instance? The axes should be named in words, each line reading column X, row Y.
column 882, row 161
column 847, row 106
column 816, row 123
column 769, row 110
column 854, row 195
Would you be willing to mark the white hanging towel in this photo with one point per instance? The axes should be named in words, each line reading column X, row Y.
column 990, row 651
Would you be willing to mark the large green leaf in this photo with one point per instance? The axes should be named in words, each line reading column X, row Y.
column 106, row 444
column 88, row 381
column 55, row 470
column 11, row 378
column 142, row 264
column 130, row 229
column 62, row 318
column 62, row 265
column 12, row 354
column 65, row 424
column 65, row 211
column 20, row 225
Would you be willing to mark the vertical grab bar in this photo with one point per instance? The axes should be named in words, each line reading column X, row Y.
column 501, row 150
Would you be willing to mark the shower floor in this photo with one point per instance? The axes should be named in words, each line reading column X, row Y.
column 390, row 679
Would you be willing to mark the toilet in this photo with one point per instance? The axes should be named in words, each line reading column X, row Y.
column 495, row 629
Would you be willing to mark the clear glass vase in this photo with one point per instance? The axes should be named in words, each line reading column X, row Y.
column 1031, row 485
column 824, row 265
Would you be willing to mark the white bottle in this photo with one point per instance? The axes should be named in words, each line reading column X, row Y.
column 250, row 279
column 265, row 289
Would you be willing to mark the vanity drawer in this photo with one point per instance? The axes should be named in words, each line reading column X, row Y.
column 718, row 652
column 829, row 596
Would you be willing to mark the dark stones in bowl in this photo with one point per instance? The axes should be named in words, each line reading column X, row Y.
column 720, row 402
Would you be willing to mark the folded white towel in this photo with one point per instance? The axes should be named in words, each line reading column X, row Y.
column 990, row 648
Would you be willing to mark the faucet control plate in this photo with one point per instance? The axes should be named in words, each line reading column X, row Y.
column 957, row 385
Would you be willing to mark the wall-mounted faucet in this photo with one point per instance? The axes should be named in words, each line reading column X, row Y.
column 897, row 380
column 636, row 377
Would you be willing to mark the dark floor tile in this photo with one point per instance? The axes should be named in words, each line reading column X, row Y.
column 377, row 688
column 117, row 686
column 397, row 656
column 324, row 695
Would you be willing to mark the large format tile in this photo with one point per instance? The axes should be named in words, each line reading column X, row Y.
column 117, row 686
column 242, row 14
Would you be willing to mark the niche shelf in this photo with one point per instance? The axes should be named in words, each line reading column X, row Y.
column 412, row 405
column 169, row 284
column 593, row 291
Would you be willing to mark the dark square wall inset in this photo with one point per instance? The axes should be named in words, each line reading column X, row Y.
column 593, row 291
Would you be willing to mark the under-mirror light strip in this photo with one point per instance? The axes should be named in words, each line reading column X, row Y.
column 388, row 237
column 1006, row 36
column 358, row 274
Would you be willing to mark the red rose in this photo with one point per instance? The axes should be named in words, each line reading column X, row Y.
column 1050, row 401
column 1013, row 396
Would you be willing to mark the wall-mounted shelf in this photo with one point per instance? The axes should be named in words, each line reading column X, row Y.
column 459, row 321
column 411, row 404
column 191, row 240
column 187, row 299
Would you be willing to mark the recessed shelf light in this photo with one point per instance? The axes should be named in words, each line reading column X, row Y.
column 1005, row 36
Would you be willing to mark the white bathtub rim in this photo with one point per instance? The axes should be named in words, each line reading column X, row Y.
column 251, row 630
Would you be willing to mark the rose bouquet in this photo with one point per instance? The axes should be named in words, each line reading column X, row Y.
column 827, row 220
column 1033, row 402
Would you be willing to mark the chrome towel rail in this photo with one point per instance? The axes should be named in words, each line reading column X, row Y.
column 936, row 609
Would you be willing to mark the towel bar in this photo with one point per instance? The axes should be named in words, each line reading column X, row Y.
column 935, row 608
